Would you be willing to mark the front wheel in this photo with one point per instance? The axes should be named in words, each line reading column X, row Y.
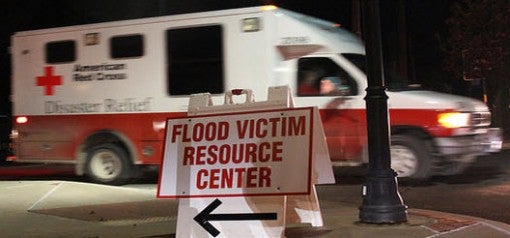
column 108, row 164
column 456, row 165
column 410, row 157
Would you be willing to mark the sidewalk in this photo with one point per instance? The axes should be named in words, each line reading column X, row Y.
column 70, row 209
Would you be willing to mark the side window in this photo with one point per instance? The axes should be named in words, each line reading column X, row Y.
column 127, row 46
column 323, row 77
column 60, row 52
column 195, row 60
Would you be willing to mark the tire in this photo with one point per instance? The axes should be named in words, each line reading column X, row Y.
column 108, row 164
column 456, row 165
column 410, row 157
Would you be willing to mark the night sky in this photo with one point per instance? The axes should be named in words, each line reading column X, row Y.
column 424, row 20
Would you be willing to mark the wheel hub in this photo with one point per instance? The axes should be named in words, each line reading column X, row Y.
column 105, row 165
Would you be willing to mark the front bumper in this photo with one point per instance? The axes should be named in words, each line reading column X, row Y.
column 490, row 141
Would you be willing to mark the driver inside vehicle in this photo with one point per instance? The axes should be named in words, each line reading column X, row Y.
column 333, row 86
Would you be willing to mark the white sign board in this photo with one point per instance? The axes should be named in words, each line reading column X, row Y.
column 238, row 154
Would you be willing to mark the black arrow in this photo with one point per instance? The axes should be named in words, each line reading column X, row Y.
column 205, row 216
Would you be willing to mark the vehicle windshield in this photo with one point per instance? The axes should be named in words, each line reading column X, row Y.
column 357, row 59
column 393, row 82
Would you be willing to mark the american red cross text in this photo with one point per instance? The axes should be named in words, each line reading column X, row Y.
column 49, row 80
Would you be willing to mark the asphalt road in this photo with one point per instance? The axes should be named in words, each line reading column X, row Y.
column 482, row 191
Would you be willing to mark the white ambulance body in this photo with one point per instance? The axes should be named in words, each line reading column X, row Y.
column 98, row 95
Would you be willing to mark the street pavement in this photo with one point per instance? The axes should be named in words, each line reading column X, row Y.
column 73, row 209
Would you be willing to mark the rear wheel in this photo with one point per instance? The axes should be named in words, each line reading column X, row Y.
column 410, row 157
column 108, row 164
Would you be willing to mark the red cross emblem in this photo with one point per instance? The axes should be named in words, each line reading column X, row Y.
column 48, row 80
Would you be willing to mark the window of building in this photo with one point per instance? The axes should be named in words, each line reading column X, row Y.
column 323, row 77
column 127, row 46
column 60, row 52
column 195, row 60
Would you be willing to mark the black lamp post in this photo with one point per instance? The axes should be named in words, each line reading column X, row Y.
column 381, row 201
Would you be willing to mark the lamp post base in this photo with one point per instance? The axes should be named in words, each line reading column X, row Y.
column 382, row 202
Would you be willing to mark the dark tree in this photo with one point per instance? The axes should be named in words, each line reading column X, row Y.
column 477, row 47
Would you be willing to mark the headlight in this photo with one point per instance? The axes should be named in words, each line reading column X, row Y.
column 454, row 119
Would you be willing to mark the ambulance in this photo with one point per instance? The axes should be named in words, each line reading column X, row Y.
column 97, row 96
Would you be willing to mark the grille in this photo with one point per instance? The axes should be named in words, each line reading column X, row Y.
column 480, row 119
